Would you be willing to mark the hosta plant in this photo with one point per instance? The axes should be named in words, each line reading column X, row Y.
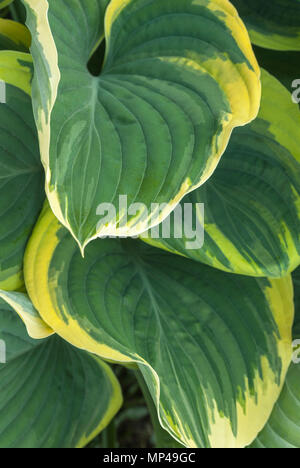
column 164, row 104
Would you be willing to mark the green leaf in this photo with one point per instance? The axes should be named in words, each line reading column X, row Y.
column 21, row 173
column 178, row 76
column 283, row 427
column 16, row 69
column 4, row 3
column 51, row 395
column 14, row 36
column 272, row 24
column 213, row 347
column 252, row 202
column 35, row 325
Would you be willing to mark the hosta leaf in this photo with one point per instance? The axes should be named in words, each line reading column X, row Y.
column 178, row 76
column 51, row 394
column 283, row 427
column 21, row 173
column 213, row 347
column 273, row 25
column 16, row 69
column 35, row 325
column 14, row 36
column 252, row 202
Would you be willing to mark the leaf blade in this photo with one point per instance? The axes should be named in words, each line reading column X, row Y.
column 14, row 36
column 36, row 327
column 162, row 312
column 251, row 216
column 21, row 179
column 272, row 26
column 54, row 387
column 97, row 152
column 283, row 428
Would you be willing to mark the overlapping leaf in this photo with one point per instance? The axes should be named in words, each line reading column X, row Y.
column 252, row 202
column 14, row 36
column 51, row 395
column 21, row 172
column 178, row 76
column 35, row 325
column 274, row 25
column 213, row 347
column 283, row 427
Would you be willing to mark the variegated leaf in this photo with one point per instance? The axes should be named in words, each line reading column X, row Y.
column 51, row 394
column 283, row 427
column 213, row 347
column 252, row 202
column 178, row 76
column 21, row 174
column 14, row 36
column 272, row 24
